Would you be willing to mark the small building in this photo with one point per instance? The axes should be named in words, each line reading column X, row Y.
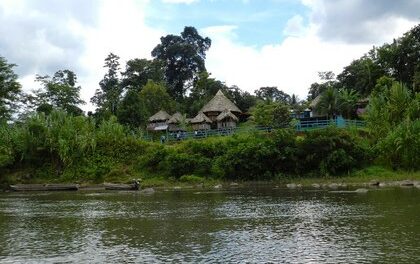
column 158, row 121
column 174, row 123
column 226, row 120
column 313, row 106
column 217, row 105
column 200, row 122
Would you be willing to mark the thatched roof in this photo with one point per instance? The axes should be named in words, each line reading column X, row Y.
column 226, row 114
column 160, row 116
column 219, row 103
column 315, row 101
column 176, row 118
column 200, row 118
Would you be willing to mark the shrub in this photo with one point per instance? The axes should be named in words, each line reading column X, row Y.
column 331, row 150
column 401, row 147
column 191, row 179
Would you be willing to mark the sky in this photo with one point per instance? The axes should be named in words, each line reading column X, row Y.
column 255, row 43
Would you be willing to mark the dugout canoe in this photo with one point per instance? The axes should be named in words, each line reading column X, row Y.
column 44, row 187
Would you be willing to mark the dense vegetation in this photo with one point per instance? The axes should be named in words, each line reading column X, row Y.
column 45, row 136
column 63, row 147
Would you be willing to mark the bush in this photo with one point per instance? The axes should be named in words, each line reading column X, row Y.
column 191, row 179
column 331, row 151
column 401, row 147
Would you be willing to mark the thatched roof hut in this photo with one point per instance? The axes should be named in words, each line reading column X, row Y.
column 315, row 102
column 176, row 118
column 160, row 116
column 219, row 103
column 200, row 118
column 226, row 119
column 226, row 114
column 175, row 121
column 200, row 122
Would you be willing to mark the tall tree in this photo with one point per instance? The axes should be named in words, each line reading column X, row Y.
column 154, row 97
column 272, row 94
column 183, row 58
column 59, row 91
column 10, row 89
column 139, row 71
column 108, row 96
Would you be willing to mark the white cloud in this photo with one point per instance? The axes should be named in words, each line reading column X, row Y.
column 291, row 65
column 294, row 26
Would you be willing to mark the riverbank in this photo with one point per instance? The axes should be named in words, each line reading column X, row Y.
column 374, row 175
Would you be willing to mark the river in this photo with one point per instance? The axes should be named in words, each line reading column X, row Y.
column 250, row 225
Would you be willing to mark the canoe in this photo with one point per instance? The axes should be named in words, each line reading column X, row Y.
column 121, row 187
column 44, row 187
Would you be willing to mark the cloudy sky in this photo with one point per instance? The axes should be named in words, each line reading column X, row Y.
column 256, row 43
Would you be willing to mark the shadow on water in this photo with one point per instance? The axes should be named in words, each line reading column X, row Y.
column 246, row 224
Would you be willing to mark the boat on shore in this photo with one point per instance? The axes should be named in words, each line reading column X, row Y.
column 44, row 187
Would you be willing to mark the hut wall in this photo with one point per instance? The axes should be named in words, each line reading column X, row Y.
column 201, row 126
column 174, row 128
column 226, row 124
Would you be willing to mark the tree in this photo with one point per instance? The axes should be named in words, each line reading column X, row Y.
column 108, row 96
column 154, row 97
column 131, row 110
column 271, row 114
column 272, row 94
column 203, row 90
column 139, row 71
column 59, row 91
column 328, row 102
column 347, row 102
column 361, row 75
column 242, row 99
column 10, row 89
column 327, row 79
column 401, row 59
column 183, row 58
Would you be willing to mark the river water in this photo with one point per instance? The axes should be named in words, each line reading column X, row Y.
column 248, row 225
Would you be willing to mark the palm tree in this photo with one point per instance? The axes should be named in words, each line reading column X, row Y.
column 327, row 104
column 347, row 102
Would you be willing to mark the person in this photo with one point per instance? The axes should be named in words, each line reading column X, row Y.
column 162, row 139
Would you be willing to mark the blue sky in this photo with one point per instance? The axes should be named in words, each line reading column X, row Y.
column 257, row 22
column 255, row 43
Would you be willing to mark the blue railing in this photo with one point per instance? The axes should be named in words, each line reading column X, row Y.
column 301, row 125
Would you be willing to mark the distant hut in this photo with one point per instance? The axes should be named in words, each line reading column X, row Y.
column 174, row 123
column 158, row 121
column 226, row 119
column 200, row 122
column 217, row 105
column 313, row 106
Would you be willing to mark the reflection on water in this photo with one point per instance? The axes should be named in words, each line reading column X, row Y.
column 244, row 225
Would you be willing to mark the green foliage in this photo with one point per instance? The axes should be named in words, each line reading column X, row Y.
column 139, row 71
column 183, row 58
column 108, row 96
column 271, row 114
column 60, row 91
column 347, row 103
column 328, row 103
column 154, row 97
column 10, row 90
column 191, row 179
column 401, row 146
column 272, row 94
column 331, row 151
